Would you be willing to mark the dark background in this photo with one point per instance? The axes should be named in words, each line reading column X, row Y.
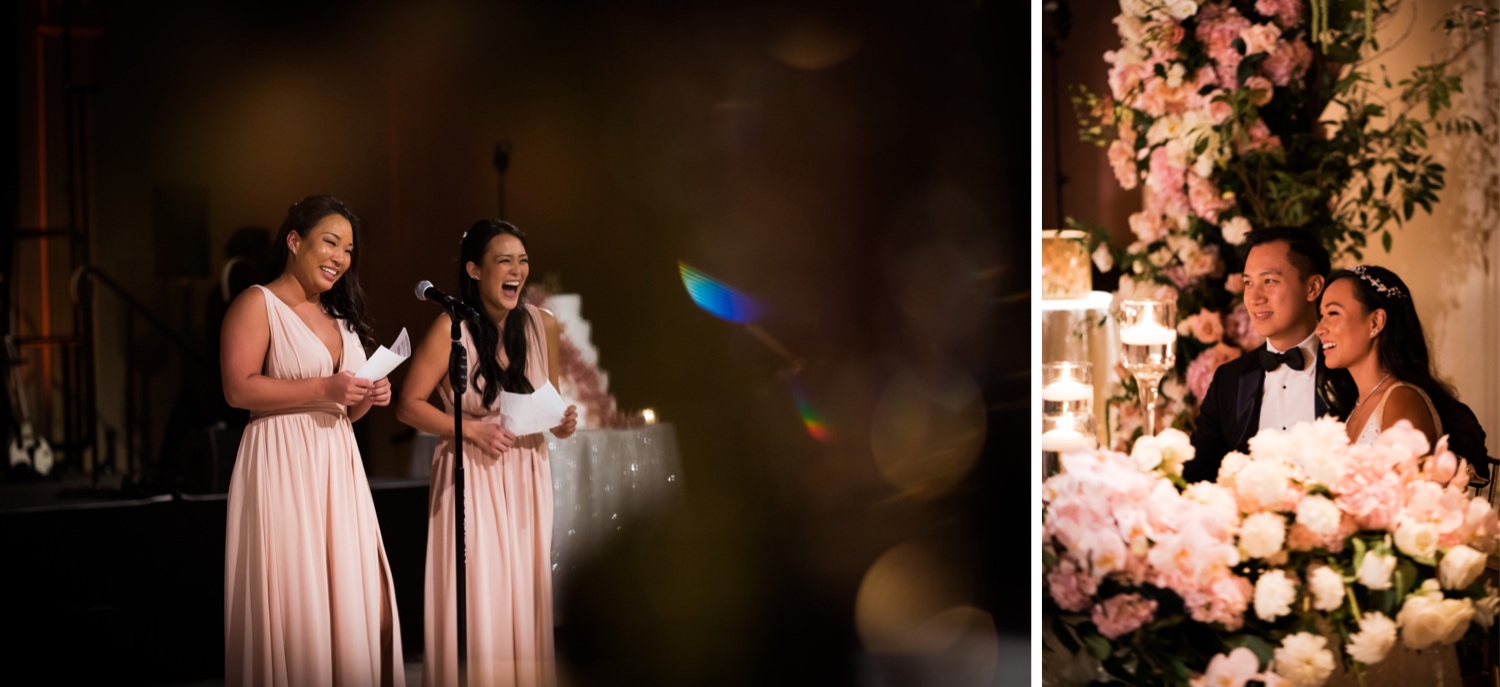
column 860, row 168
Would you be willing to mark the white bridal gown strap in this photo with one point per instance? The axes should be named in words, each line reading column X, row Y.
column 1371, row 430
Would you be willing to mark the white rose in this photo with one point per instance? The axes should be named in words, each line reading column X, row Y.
column 1377, row 634
column 1262, row 535
column 1263, row 482
column 1274, row 594
column 1460, row 567
column 1319, row 515
column 1427, row 618
column 1327, row 588
column 1176, row 448
column 1417, row 539
column 1182, row 9
column 1146, row 453
column 1375, row 570
column 1304, row 659
column 1235, row 230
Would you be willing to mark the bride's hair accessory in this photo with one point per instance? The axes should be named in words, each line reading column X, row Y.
column 1387, row 291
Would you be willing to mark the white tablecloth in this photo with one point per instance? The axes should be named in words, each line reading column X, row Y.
column 603, row 481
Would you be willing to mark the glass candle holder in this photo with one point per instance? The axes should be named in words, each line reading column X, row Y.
column 1066, row 272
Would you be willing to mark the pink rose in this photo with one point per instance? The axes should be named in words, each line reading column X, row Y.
column 1260, row 38
column 1208, row 327
column 1148, row 227
column 1235, row 284
column 1206, row 199
column 1122, row 161
column 1122, row 614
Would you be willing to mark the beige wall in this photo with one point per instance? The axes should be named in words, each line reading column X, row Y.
column 1451, row 259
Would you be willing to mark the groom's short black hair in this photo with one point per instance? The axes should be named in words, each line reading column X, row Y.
column 1307, row 252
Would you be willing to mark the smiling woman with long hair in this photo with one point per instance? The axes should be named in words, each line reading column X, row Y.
column 308, row 598
column 512, row 347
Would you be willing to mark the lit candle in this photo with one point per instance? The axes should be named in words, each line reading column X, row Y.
column 1067, row 390
column 649, row 416
column 1062, row 440
column 1147, row 334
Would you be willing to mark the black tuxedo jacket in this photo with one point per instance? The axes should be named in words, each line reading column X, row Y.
column 1230, row 413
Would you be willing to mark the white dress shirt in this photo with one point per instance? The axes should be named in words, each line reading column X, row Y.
column 1289, row 395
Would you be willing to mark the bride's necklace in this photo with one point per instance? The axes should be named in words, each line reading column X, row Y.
column 1360, row 402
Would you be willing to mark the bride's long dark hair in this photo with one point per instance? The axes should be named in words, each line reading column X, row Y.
column 486, row 333
column 346, row 299
column 1404, row 351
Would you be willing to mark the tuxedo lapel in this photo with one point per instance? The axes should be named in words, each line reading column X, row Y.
column 1250, row 389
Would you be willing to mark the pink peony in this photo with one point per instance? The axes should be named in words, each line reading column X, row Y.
column 1239, row 328
column 1235, row 284
column 1122, row 614
column 1200, row 373
column 1167, row 182
column 1224, row 601
column 1069, row 587
column 1218, row 27
column 1288, row 13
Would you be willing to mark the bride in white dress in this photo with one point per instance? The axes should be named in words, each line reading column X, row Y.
column 1369, row 327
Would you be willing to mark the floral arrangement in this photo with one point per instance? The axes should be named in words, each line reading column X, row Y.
column 581, row 380
column 1307, row 555
column 1240, row 114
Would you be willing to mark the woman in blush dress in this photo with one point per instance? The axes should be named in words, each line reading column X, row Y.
column 308, row 598
column 512, row 347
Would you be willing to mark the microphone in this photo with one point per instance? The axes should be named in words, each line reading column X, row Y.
column 427, row 292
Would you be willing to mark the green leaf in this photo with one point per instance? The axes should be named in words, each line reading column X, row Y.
column 1049, row 559
column 1406, row 576
column 1385, row 236
column 1097, row 645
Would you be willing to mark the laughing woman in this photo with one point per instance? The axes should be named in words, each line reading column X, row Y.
column 508, row 481
column 308, row 598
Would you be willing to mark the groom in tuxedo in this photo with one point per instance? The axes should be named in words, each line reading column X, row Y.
column 1284, row 382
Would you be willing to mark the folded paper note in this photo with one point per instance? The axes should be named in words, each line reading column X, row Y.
column 531, row 413
column 384, row 360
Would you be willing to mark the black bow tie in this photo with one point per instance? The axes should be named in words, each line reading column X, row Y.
column 1270, row 361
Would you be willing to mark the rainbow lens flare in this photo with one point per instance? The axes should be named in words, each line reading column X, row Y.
column 815, row 424
column 720, row 300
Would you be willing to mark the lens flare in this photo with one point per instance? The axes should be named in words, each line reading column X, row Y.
column 816, row 426
column 720, row 300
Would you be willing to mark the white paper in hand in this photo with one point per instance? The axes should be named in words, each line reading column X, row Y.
column 531, row 413
column 385, row 359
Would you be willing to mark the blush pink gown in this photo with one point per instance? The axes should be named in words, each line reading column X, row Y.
column 308, row 598
column 508, row 505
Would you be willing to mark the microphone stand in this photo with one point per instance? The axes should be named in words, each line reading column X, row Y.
column 458, row 375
